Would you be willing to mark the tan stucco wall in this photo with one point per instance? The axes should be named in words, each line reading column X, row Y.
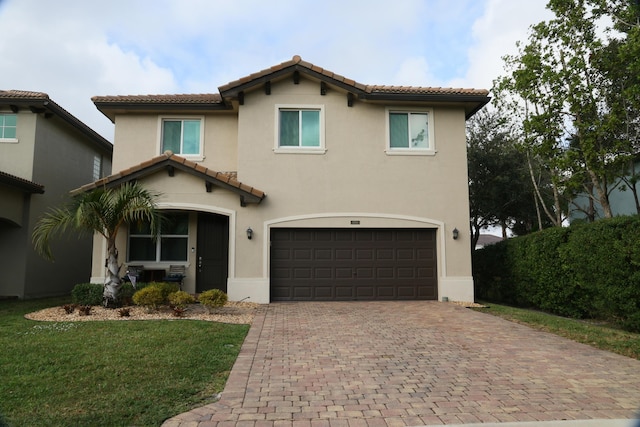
column 354, row 180
column 355, row 175
column 137, row 139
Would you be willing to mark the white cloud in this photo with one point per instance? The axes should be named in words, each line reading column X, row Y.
column 414, row 72
column 495, row 33
column 75, row 49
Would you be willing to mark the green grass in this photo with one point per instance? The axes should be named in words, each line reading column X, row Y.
column 594, row 334
column 129, row 373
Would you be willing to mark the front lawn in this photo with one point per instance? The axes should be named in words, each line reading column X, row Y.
column 601, row 336
column 108, row 373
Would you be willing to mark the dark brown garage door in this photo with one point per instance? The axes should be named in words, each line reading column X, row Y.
column 353, row 264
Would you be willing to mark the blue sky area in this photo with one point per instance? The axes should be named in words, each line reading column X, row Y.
column 76, row 49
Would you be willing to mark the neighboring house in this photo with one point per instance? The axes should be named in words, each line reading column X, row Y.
column 621, row 199
column 45, row 152
column 486, row 240
column 295, row 183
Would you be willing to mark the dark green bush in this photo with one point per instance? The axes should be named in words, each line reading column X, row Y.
column 582, row 271
column 125, row 294
column 87, row 294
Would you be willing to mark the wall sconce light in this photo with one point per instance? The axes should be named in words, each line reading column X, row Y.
column 456, row 233
column 249, row 233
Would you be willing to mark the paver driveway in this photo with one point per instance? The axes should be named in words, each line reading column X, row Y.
column 412, row 363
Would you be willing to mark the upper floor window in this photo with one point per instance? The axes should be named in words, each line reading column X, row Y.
column 171, row 245
column 410, row 132
column 8, row 126
column 182, row 136
column 300, row 129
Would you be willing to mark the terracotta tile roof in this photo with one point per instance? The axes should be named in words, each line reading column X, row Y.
column 202, row 98
column 473, row 99
column 169, row 160
column 22, row 94
column 426, row 90
column 40, row 102
column 297, row 63
column 21, row 183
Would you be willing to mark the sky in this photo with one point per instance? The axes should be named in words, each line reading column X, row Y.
column 75, row 49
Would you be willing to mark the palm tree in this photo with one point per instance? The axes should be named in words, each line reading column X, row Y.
column 104, row 211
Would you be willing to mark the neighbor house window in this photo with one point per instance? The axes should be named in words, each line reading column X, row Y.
column 171, row 245
column 97, row 167
column 182, row 136
column 300, row 128
column 410, row 132
column 8, row 124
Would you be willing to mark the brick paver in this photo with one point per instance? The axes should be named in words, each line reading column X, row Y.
column 369, row 364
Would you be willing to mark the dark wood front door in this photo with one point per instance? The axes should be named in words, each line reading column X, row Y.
column 353, row 264
column 213, row 252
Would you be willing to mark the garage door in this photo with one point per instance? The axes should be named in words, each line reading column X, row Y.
column 353, row 264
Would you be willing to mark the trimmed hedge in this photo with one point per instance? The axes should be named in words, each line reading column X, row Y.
column 583, row 271
column 87, row 294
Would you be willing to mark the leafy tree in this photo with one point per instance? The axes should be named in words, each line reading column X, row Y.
column 561, row 85
column 103, row 211
column 500, row 192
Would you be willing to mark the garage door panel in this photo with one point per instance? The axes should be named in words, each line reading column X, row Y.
column 302, row 254
column 364, row 273
column 385, row 273
column 323, row 254
column 303, row 292
column 344, row 273
column 344, row 292
column 364, row 254
column 343, row 254
column 365, row 292
column 348, row 264
column 323, row 273
column 405, row 254
column 302, row 273
column 323, row 292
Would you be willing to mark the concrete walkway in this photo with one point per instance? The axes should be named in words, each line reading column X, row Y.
column 369, row 364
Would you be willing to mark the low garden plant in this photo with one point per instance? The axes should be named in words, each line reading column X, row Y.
column 150, row 297
column 179, row 302
column 213, row 298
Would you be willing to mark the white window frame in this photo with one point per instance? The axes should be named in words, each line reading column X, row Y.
column 10, row 140
column 321, row 149
column 196, row 157
column 395, row 151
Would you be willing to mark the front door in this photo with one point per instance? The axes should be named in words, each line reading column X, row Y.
column 213, row 252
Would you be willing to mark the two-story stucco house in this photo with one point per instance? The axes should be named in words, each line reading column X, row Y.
column 45, row 152
column 296, row 183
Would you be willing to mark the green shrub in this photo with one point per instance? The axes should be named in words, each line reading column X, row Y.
column 213, row 298
column 150, row 297
column 582, row 271
column 87, row 294
column 181, row 299
column 125, row 294
column 166, row 289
